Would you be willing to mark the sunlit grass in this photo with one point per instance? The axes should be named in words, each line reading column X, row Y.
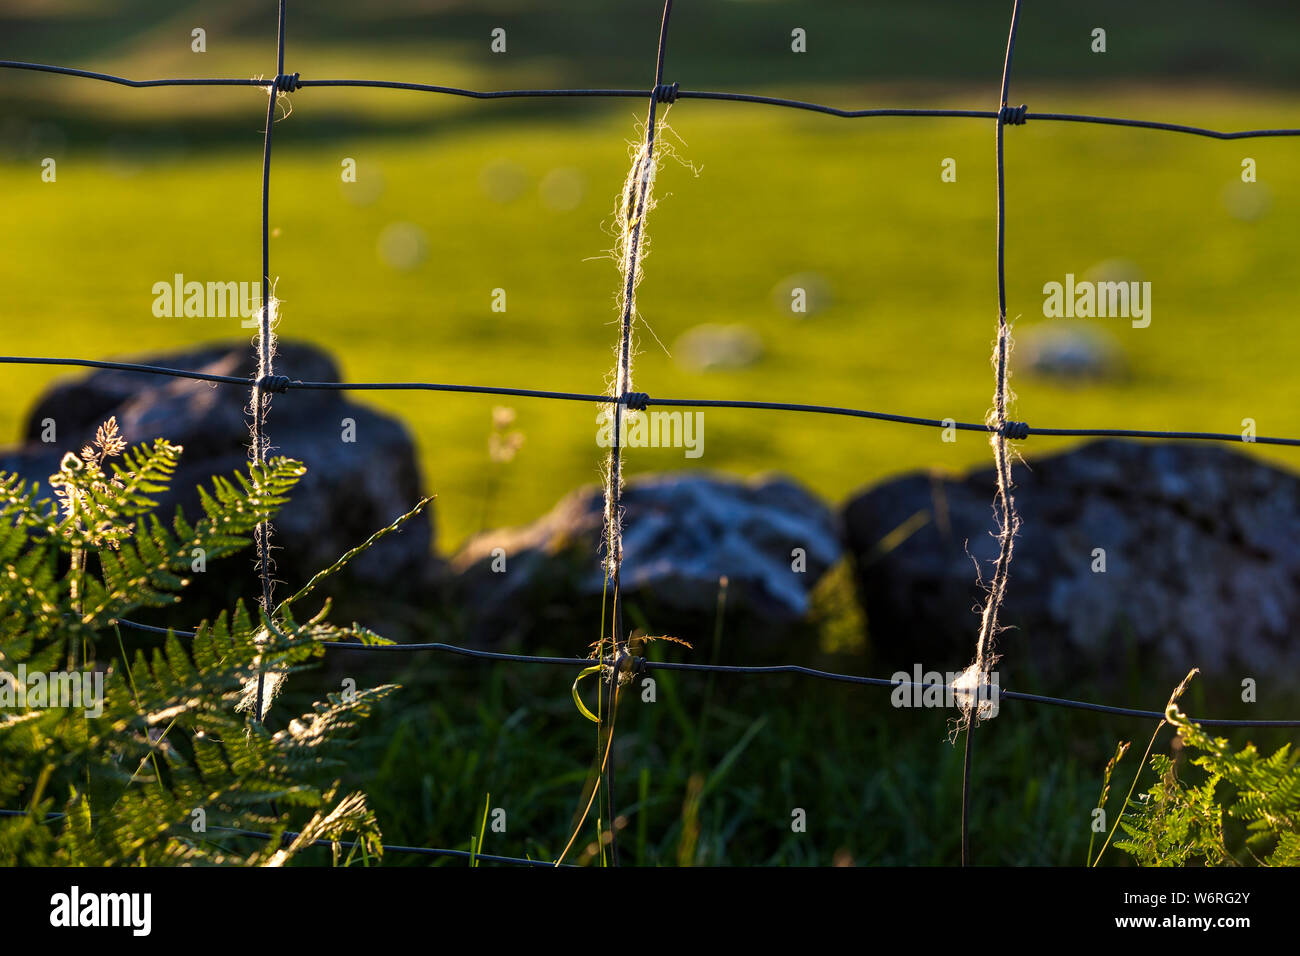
column 906, row 261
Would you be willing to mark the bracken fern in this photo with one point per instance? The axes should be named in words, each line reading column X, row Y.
column 170, row 763
column 1176, row 823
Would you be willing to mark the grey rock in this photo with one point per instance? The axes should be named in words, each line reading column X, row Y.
column 816, row 293
column 681, row 534
column 351, row 489
column 710, row 346
column 1202, row 563
column 1247, row 202
column 1069, row 352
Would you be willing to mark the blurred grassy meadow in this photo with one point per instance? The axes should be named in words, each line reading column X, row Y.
column 455, row 198
column 395, row 273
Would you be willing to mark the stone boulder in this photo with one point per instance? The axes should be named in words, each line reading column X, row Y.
column 682, row 533
column 351, row 489
column 1201, row 552
column 1070, row 352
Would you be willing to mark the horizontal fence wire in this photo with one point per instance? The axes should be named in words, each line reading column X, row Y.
column 1021, row 115
column 751, row 670
column 265, row 383
column 289, row 836
column 640, row 400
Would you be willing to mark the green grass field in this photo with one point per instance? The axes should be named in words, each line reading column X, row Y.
column 906, row 260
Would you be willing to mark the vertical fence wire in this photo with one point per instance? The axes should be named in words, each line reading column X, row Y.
column 1004, row 503
column 261, row 397
column 636, row 207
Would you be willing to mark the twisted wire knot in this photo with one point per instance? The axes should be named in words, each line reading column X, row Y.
column 287, row 82
column 636, row 401
column 625, row 661
column 666, row 93
column 274, row 383
column 1016, row 431
column 1013, row 115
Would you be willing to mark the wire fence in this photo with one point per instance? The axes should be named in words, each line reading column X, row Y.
column 618, row 659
